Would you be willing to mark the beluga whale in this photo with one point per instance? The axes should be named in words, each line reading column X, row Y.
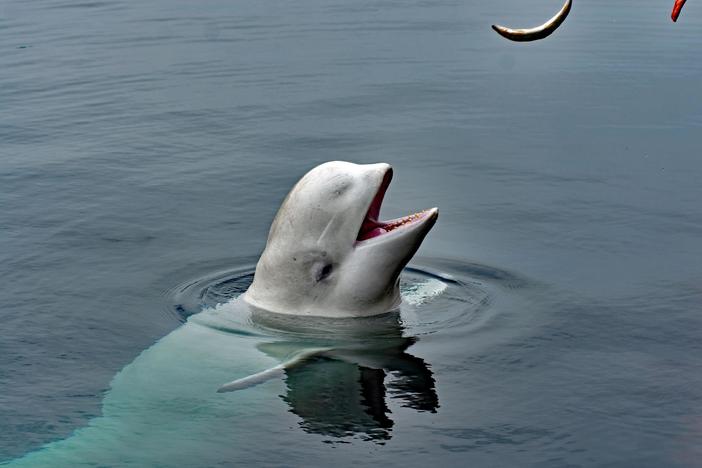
column 328, row 254
column 321, row 316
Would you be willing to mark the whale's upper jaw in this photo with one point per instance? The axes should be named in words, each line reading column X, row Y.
column 373, row 230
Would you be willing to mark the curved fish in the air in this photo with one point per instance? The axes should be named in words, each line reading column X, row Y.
column 677, row 7
column 539, row 32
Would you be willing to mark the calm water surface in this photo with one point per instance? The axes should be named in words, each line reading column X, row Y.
column 145, row 147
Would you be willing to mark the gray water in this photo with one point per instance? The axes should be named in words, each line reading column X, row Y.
column 145, row 147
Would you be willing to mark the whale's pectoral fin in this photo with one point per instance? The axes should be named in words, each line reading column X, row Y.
column 274, row 372
column 253, row 380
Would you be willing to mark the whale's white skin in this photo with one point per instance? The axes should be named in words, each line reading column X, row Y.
column 314, row 263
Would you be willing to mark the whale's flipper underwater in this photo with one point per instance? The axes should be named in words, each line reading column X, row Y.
column 296, row 360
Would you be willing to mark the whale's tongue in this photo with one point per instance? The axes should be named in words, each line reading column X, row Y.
column 370, row 229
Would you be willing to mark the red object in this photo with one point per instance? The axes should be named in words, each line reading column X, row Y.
column 676, row 9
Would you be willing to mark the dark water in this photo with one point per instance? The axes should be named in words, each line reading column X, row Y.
column 145, row 146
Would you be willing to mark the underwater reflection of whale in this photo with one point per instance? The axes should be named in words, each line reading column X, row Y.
column 342, row 387
column 358, row 391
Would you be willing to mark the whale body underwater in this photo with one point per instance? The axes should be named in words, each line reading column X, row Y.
column 322, row 312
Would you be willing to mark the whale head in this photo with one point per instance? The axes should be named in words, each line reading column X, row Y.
column 328, row 254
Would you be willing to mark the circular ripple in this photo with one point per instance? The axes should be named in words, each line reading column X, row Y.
column 437, row 294
column 211, row 290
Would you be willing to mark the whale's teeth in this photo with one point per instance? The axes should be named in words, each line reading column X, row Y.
column 375, row 228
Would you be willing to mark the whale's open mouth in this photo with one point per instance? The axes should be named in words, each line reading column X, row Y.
column 372, row 227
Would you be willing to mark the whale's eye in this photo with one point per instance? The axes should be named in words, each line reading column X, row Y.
column 324, row 272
